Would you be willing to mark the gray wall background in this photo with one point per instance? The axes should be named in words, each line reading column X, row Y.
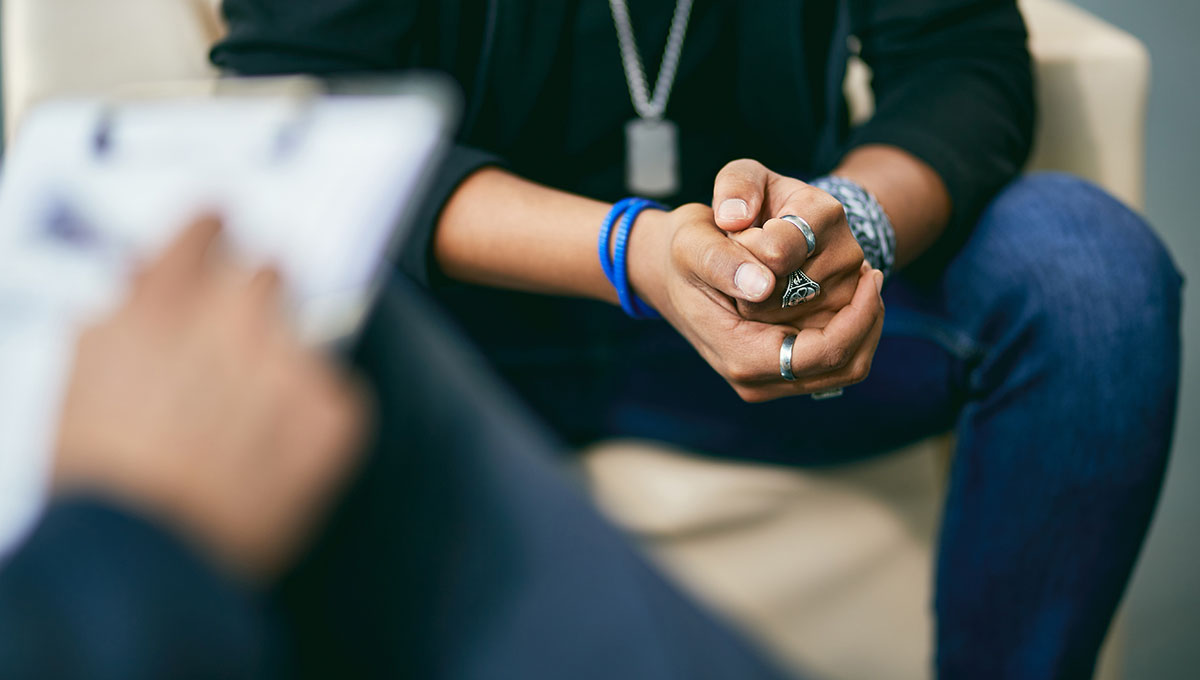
column 1163, row 603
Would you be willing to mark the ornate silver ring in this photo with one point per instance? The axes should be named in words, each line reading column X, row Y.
column 800, row 289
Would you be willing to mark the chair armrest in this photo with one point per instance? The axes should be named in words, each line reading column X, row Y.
column 1092, row 80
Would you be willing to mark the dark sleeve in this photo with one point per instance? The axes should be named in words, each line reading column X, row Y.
column 98, row 593
column 953, row 86
column 347, row 37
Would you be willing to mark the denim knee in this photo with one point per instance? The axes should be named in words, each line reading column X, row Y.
column 1074, row 255
column 1071, row 286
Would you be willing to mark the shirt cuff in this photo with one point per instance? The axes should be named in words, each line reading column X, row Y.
column 416, row 255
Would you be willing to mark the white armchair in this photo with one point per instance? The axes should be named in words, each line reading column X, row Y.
column 833, row 568
column 830, row 569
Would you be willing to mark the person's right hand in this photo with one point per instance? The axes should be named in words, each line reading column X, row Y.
column 195, row 403
column 695, row 275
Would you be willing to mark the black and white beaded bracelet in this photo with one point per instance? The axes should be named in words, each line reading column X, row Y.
column 868, row 222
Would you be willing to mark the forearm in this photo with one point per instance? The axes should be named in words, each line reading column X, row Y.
column 504, row 231
column 953, row 86
column 911, row 193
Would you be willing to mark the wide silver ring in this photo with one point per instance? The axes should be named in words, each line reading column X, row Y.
column 785, row 358
column 810, row 238
column 826, row 394
column 800, row 289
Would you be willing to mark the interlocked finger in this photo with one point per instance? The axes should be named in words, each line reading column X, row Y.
column 854, row 371
column 833, row 356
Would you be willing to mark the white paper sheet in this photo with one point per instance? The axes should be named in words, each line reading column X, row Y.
column 316, row 187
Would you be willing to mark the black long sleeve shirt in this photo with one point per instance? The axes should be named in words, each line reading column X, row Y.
column 546, row 94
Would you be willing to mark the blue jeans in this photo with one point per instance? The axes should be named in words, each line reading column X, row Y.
column 1050, row 345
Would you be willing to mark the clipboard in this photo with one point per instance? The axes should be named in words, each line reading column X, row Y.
column 319, row 183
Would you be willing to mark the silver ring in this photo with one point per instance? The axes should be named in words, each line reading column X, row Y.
column 827, row 394
column 800, row 289
column 809, row 237
column 785, row 358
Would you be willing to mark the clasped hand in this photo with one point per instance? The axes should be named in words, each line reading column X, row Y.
column 725, row 270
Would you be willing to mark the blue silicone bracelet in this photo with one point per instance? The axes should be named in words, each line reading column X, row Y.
column 606, row 262
column 633, row 306
column 624, row 214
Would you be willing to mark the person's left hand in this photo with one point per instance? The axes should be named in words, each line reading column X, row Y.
column 748, row 200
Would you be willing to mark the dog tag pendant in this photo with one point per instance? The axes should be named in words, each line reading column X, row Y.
column 651, row 158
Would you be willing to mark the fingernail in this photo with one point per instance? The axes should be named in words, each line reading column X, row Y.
column 733, row 209
column 751, row 279
column 878, row 281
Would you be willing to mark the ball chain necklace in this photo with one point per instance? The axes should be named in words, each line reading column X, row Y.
column 651, row 141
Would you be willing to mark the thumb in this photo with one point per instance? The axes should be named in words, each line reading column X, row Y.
column 738, row 194
column 723, row 264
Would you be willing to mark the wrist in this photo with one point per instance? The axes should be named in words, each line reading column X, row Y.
column 623, row 230
column 649, row 245
column 867, row 220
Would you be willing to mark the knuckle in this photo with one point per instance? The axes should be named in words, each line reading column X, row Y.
column 864, row 363
column 738, row 376
column 694, row 211
column 836, row 357
column 775, row 256
column 756, row 397
column 828, row 207
column 751, row 395
column 860, row 370
column 853, row 265
column 852, row 253
column 739, row 166
column 740, row 372
column 856, row 250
